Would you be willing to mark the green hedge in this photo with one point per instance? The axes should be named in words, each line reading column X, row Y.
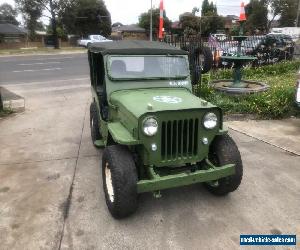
column 277, row 102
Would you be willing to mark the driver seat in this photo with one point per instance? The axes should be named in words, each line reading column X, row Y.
column 118, row 67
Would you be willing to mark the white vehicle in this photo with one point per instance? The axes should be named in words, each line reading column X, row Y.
column 92, row 39
column 294, row 32
column 220, row 37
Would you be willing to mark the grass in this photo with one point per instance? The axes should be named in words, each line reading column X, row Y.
column 39, row 50
column 277, row 102
column 5, row 112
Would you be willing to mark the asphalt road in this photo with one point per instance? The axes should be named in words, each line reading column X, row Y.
column 28, row 69
column 51, row 193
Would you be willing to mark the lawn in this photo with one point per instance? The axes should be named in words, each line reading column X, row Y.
column 277, row 102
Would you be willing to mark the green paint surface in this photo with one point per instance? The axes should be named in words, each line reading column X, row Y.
column 160, row 99
column 183, row 179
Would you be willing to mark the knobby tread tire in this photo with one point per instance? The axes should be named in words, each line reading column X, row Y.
column 95, row 133
column 124, row 181
column 208, row 60
column 225, row 151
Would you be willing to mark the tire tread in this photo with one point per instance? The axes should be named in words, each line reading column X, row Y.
column 124, row 180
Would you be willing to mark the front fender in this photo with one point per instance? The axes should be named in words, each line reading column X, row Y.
column 121, row 135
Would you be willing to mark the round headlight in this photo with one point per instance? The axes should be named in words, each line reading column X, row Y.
column 210, row 121
column 150, row 126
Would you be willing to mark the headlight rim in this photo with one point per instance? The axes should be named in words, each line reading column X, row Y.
column 204, row 120
column 143, row 125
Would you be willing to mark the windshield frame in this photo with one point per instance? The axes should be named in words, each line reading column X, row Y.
column 108, row 70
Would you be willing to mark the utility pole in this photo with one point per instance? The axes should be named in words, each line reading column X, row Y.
column 298, row 14
column 151, row 23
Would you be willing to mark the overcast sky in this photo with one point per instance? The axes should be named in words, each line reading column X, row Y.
column 127, row 12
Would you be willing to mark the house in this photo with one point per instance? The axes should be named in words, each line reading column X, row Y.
column 129, row 32
column 176, row 27
column 231, row 22
column 10, row 33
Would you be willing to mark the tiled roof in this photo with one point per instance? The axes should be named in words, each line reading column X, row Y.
column 10, row 29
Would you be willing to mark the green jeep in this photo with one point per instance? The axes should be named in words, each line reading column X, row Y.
column 156, row 134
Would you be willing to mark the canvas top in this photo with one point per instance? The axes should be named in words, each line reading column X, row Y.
column 135, row 48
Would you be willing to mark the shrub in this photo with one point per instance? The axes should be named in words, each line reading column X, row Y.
column 277, row 102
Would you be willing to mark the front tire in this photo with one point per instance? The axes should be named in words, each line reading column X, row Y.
column 94, row 123
column 119, row 181
column 224, row 151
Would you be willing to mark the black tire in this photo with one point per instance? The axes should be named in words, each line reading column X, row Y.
column 117, row 161
column 94, row 123
column 207, row 61
column 224, row 151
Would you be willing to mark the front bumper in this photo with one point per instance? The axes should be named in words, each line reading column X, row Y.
column 157, row 182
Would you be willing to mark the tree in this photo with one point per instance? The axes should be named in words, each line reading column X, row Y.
column 211, row 22
column 33, row 9
column 288, row 13
column 190, row 23
column 275, row 9
column 31, row 12
column 8, row 14
column 195, row 10
column 40, row 26
column 83, row 17
column 117, row 24
column 285, row 9
column 144, row 21
column 257, row 16
column 208, row 8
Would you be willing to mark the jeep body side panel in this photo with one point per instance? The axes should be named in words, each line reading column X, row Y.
column 97, row 82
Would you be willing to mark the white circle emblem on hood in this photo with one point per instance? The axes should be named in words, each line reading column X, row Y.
column 167, row 99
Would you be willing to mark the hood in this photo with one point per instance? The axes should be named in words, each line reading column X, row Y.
column 137, row 102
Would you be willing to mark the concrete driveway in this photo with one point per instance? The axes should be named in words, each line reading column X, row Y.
column 51, row 189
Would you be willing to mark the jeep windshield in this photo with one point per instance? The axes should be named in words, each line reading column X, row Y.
column 147, row 67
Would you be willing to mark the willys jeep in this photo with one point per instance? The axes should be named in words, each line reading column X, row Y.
column 156, row 134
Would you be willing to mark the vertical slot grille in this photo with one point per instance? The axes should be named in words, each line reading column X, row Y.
column 179, row 139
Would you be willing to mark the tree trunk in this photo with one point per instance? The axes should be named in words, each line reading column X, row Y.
column 53, row 25
column 55, row 36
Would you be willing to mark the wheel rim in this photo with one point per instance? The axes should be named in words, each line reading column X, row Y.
column 92, row 123
column 201, row 61
column 108, row 183
column 213, row 184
